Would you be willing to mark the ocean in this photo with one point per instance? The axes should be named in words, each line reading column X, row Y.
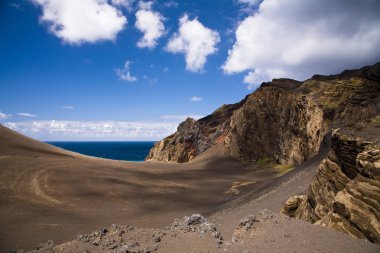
column 134, row 151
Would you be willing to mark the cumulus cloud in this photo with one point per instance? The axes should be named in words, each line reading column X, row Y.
column 25, row 114
column 94, row 130
column 5, row 116
column 195, row 41
column 151, row 24
column 196, row 99
column 67, row 107
column 77, row 22
column 296, row 39
column 125, row 74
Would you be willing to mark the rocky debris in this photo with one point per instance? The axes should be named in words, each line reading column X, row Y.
column 244, row 226
column 195, row 219
column 41, row 247
column 128, row 239
column 248, row 224
column 345, row 193
column 196, row 223
column 264, row 232
column 45, row 246
column 122, row 239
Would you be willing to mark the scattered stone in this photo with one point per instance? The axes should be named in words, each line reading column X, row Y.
column 103, row 231
column 157, row 238
column 195, row 219
column 248, row 221
column 45, row 246
column 216, row 234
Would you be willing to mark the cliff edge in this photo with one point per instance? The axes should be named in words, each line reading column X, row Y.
column 345, row 193
column 283, row 120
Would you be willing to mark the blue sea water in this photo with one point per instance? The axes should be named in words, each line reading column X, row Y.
column 134, row 151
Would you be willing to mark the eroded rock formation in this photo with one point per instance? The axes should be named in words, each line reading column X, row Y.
column 278, row 123
column 284, row 120
column 345, row 193
column 194, row 137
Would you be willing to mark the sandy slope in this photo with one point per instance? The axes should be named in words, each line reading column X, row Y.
column 48, row 193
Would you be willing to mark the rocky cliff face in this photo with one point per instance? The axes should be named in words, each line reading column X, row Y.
column 345, row 193
column 284, row 120
column 278, row 123
column 194, row 137
column 182, row 146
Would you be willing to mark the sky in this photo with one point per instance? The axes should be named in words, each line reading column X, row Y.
column 133, row 70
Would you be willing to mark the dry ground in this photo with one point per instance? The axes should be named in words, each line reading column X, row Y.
column 47, row 193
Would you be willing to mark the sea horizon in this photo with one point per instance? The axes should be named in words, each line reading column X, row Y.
column 132, row 151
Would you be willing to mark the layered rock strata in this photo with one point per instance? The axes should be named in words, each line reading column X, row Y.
column 345, row 193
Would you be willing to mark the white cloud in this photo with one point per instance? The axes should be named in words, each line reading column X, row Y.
column 124, row 3
column 5, row 116
column 151, row 24
column 125, row 74
column 25, row 114
column 195, row 41
column 296, row 39
column 254, row 79
column 94, row 130
column 196, row 99
column 77, row 22
column 67, row 107
column 181, row 117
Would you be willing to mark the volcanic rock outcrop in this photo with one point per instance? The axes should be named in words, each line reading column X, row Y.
column 278, row 123
column 194, row 137
column 345, row 193
column 284, row 120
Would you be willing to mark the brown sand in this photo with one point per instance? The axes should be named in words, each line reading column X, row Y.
column 47, row 193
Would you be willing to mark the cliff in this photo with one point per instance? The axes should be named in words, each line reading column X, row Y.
column 194, row 137
column 284, row 120
column 278, row 123
column 345, row 193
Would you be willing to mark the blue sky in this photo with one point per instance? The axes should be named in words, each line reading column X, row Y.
column 65, row 78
